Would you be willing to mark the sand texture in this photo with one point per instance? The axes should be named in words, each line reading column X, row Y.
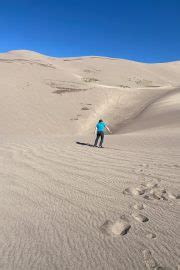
column 67, row 205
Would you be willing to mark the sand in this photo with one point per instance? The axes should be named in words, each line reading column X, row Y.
column 67, row 205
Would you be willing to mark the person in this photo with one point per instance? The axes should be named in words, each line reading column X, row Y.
column 99, row 131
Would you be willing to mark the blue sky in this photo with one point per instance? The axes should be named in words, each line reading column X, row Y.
column 142, row 30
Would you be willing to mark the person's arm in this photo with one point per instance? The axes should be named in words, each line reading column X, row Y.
column 108, row 129
column 95, row 131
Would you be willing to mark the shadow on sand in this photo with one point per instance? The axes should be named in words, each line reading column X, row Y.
column 91, row 145
column 86, row 144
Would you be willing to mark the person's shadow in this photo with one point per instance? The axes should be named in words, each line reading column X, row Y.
column 86, row 144
column 91, row 145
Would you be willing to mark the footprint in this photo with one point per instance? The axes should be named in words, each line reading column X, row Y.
column 139, row 217
column 134, row 191
column 155, row 195
column 161, row 195
column 152, row 196
column 138, row 206
column 148, row 197
column 149, row 260
column 119, row 227
column 151, row 235
column 173, row 196
column 151, row 185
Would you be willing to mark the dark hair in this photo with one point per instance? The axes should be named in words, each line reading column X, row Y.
column 100, row 120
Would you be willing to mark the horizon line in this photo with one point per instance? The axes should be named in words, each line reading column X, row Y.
column 86, row 56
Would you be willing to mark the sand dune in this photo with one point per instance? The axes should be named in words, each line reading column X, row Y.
column 66, row 205
column 164, row 112
column 41, row 93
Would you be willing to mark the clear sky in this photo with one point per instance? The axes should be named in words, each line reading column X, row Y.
column 142, row 30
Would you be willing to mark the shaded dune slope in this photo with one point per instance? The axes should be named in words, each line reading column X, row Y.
column 163, row 112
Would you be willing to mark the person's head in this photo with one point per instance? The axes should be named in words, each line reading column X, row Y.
column 100, row 120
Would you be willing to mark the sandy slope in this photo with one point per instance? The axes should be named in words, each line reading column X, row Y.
column 66, row 205
column 43, row 95
column 164, row 112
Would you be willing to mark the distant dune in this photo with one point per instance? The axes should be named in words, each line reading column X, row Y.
column 67, row 205
column 45, row 95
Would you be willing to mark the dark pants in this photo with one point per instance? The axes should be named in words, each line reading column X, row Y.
column 99, row 134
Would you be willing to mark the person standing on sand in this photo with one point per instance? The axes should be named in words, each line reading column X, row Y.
column 99, row 131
